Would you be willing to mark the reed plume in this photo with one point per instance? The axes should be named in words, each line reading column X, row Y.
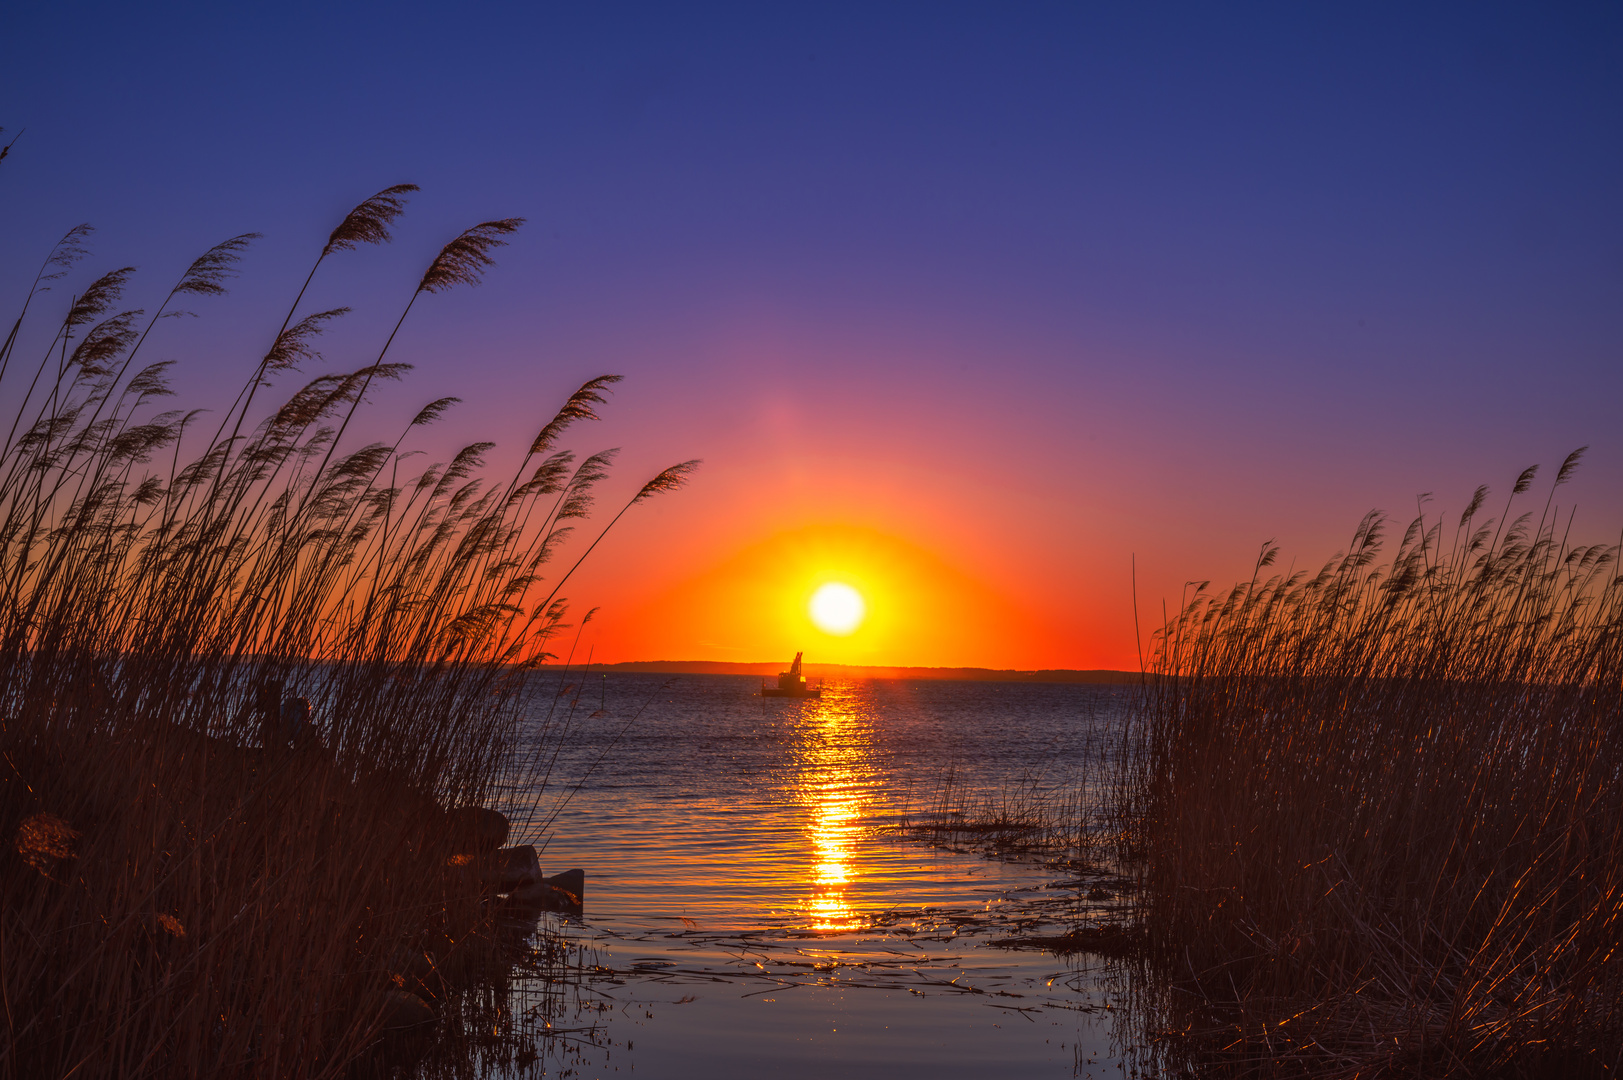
column 182, row 890
column 464, row 260
column 211, row 270
column 1373, row 810
column 369, row 222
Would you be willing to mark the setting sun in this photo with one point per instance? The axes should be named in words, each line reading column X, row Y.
column 837, row 609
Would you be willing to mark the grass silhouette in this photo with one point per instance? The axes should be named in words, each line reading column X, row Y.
column 187, row 888
column 1374, row 811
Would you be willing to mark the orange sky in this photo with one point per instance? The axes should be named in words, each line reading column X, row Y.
column 1004, row 538
column 957, row 566
column 751, row 602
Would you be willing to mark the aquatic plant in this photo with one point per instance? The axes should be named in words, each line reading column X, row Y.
column 1374, row 811
column 189, row 885
column 1062, row 818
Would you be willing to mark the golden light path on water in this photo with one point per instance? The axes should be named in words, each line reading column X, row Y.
column 705, row 802
column 750, row 905
column 835, row 786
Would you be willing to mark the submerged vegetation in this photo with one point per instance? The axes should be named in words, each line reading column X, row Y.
column 1374, row 812
column 189, row 885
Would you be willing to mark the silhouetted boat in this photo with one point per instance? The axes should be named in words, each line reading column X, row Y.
column 792, row 683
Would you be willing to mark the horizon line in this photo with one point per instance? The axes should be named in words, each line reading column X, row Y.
column 891, row 671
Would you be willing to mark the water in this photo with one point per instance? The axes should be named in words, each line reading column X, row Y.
column 751, row 905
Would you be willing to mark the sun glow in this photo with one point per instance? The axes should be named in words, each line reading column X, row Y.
column 837, row 609
column 755, row 606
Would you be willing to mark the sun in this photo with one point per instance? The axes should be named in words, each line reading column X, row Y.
column 837, row 609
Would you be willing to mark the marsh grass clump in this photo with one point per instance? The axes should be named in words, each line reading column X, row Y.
column 244, row 677
column 1063, row 820
column 1375, row 812
column 1024, row 817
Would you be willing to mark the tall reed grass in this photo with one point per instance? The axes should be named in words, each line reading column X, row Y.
column 1375, row 811
column 188, row 888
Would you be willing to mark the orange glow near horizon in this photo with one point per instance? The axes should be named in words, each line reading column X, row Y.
column 842, row 594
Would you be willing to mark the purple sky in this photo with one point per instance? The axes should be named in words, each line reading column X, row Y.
column 1025, row 290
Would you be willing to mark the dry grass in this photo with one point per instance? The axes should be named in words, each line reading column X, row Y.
column 1375, row 811
column 182, row 891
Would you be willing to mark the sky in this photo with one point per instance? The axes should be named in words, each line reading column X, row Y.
column 1014, row 317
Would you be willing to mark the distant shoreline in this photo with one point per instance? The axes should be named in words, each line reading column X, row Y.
column 861, row 671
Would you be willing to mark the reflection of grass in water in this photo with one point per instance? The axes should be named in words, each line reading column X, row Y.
column 184, row 891
column 1374, row 811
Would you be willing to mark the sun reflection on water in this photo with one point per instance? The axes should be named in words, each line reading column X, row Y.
column 836, row 749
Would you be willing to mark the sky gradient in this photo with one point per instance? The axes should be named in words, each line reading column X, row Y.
column 972, row 307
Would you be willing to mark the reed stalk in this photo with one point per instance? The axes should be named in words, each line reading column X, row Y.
column 184, row 892
column 1374, row 812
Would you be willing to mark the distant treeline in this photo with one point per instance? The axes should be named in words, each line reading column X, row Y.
column 858, row 671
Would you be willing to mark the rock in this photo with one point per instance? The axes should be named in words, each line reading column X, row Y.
column 561, row 892
column 484, row 829
column 464, row 877
column 515, row 867
column 572, row 882
column 540, row 896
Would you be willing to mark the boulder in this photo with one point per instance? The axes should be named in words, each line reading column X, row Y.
column 464, row 877
column 561, row 892
column 514, row 868
column 481, row 828
column 572, row 882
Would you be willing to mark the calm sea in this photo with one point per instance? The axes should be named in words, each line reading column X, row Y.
column 751, row 904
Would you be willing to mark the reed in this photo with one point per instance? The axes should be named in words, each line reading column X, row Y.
column 188, row 888
column 1374, row 812
column 1060, row 819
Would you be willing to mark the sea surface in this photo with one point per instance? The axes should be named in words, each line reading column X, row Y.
column 755, row 904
